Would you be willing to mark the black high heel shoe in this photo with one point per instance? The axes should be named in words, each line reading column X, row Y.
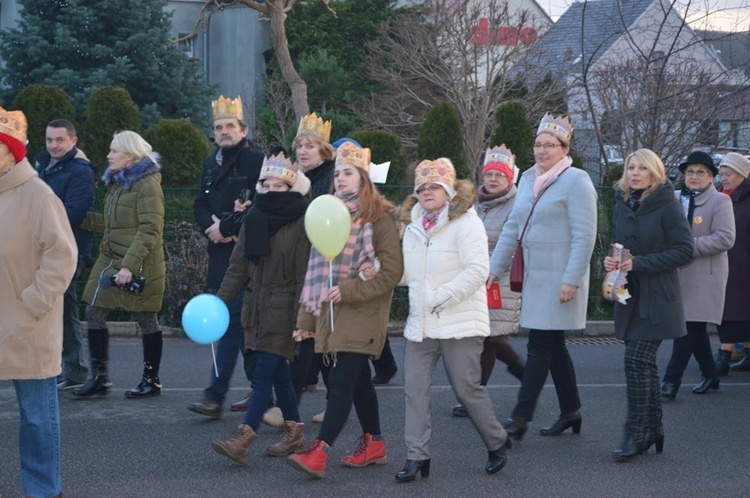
column 516, row 428
column 631, row 448
column 409, row 472
column 562, row 424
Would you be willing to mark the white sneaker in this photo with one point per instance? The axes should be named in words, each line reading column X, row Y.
column 274, row 417
column 318, row 419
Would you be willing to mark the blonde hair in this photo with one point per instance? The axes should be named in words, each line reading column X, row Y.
column 326, row 149
column 132, row 143
column 653, row 164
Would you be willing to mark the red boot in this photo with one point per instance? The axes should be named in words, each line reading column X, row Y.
column 312, row 461
column 366, row 453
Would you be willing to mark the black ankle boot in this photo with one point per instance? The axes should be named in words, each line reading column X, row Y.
column 744, row 364
column 563, row 423
column 497, row 459
column 669, row 390
column 706, row 385
column 98, row 383
column 409, row 472
column 149, row 384
column 723, row 360
column 631, row 448
column 517, row 370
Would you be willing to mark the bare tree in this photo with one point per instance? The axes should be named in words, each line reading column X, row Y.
column 275, row 12
column 462, row 51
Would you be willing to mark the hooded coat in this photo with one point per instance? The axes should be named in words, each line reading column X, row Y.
column 133, row 224
column 38, row 257
column 660, row 241
column 445, row 270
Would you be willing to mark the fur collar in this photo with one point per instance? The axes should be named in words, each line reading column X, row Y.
column 125, row 178
column 466, row 196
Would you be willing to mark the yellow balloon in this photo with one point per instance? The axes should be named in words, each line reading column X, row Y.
column 328, row 224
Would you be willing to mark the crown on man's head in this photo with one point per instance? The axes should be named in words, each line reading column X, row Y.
column 559, row 126
column 351, row 155
column 224, row 108
column 313, row 126
column 499, row 154
column 279, row 167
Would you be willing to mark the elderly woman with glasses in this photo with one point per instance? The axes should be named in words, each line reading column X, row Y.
column 703, row 283
column 555, row 216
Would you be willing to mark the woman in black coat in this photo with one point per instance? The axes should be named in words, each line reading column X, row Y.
column 649, row 221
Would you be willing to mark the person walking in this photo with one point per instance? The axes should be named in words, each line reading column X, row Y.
column 554, row 217
column 495, row 199
column 360, row 313
column 129, row 273
column 445, row 267
column 37, row 261
column 229, row 173
column 270, row 260
column 650, row 222
column 703, row 283
column 70, row 175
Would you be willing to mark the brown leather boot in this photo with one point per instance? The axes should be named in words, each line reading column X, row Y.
column 237, row 446
column 292, row 441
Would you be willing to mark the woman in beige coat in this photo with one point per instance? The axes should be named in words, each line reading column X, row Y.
column 38, row 257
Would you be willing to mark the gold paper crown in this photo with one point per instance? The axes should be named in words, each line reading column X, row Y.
column 500, row 154
column 313, row 126
column 224, row 108
column 560, row 127
column 13, row 124
column 437, row 171
column 351, row 155
column 279, row 167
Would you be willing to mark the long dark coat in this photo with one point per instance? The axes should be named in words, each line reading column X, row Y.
column 736, row 304
column 658, row 236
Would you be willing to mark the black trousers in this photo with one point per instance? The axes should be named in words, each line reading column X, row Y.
column 695, row 343
column 349, row 382
column 386, row 364
column 547, row 353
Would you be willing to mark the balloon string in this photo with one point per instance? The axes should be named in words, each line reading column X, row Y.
column 330, row 285
column 213, row 353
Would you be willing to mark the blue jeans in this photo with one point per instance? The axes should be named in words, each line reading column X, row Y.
column 39, row 439
column 231, row 344
column 271, row 372
column 73, row 367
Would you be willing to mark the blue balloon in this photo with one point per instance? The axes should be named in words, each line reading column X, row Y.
column 205, row 318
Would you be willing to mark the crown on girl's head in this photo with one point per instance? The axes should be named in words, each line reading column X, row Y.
column 559, row 126
column 224, row 108
column 279, row 167
column 313, row 126
column 499, row 154
column 351, row 155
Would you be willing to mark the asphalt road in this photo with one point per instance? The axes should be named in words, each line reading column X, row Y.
column 157, row 448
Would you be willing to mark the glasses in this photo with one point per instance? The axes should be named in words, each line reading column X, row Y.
column 546, row 146
column 495, row 174
column 431, row 189
column 701, row 173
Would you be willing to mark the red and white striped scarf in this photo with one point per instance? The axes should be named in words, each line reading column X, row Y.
column 358, row 250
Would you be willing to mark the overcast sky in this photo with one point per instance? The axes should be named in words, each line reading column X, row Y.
column 731, row 15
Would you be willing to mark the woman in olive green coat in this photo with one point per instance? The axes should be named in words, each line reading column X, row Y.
column 129, row 272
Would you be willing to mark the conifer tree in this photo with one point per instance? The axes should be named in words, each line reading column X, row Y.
column 109, row 110
column 41, row 104
column 442, row 136
column 513, row 129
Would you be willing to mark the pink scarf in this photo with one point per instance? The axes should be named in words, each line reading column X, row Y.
column 542, row 181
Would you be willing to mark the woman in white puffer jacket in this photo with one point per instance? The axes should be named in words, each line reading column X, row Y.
column 445, row 266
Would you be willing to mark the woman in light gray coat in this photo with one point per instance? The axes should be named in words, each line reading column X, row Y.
column 557, row 247
column 703, row 283
column 495, row 199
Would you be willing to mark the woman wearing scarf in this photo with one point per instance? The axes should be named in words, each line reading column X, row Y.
column 360, row 311
column 495, row 199
column 650, row 222
column 270, row 259
column 557, row 247
column 445, row 267
column 132, row 222
column 702, row 283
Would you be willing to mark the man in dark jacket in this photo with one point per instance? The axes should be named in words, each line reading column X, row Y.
column 229, row 175
column 71, row 176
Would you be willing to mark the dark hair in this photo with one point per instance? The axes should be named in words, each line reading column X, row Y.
column 63, row 123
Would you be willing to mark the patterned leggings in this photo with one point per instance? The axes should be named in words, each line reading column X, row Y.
column 644, row 397
column 146, row 320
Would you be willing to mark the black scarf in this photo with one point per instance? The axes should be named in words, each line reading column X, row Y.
column 634, row 199
column 270, row 212
column 687, row 199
